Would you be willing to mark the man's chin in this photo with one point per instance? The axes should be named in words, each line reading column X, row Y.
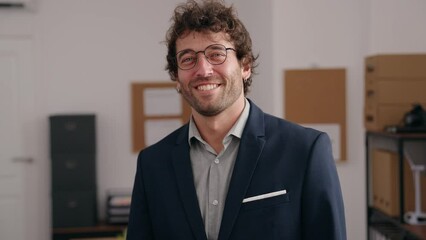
column 208, row 111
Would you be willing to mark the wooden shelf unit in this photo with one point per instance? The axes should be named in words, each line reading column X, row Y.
column 377, row 219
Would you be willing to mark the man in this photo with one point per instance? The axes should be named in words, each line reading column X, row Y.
column 232, row 172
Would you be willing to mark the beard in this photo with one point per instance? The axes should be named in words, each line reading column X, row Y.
column 230, row 89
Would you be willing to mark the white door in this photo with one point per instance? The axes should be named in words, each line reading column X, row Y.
column 16, row 111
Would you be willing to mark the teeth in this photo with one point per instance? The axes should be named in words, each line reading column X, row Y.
column 207, row 87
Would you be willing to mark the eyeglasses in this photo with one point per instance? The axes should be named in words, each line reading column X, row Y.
column 215, row 55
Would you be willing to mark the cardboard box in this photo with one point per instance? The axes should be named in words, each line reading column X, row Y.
column 399, row 91
column 396, row 66
column 385, row 184
column 379, row 116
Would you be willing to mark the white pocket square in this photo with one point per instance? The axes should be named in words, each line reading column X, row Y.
column 263, row 196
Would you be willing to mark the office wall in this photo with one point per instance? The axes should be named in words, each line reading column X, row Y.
column 258, row 18
column 397, row 26
column 88, row 53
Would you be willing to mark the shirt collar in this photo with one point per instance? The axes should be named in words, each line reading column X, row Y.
column 236, row 130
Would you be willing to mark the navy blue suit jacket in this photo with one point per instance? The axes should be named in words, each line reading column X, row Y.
column 274, row 155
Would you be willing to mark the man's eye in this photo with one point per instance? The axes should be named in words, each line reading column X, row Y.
column 216, row 55
column 187, row 60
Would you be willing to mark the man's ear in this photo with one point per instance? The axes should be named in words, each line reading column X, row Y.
column 246, row 70
column 178, row 86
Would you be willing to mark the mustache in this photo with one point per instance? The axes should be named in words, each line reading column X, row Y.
column 198, row 80
column 204, row 79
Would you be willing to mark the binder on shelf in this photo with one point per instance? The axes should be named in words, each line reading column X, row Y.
column 118, row 206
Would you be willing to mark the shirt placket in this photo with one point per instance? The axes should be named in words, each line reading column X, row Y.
column 213, row 198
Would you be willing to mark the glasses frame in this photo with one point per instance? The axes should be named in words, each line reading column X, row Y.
column 204, row 53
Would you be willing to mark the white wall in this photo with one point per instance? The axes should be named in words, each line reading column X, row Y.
column 88, row 53
column 397, row 26
column 259, row 24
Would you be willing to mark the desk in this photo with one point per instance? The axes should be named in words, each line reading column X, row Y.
column 101, row 230
column 375, row 218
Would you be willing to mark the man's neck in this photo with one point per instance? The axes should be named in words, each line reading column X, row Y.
column 213, row 129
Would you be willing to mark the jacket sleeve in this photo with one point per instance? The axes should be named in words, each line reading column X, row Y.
column 323, row 215
column 139, row 226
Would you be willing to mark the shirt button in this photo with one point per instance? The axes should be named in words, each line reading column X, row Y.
column 215, row 202
column 216, row 161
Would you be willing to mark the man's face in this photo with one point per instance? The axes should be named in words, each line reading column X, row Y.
column 210, row 89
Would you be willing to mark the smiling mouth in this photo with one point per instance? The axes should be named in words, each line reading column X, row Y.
column 207, row 87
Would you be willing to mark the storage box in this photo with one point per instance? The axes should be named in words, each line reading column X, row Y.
column 385, row 183
column 73, row 172
column 396, row 66
column 71, row 134
column 74, row 209
column 379, row 116
column 393, row 84
column 400, row 90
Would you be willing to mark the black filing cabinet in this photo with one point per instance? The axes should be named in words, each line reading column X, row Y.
column 73, row 170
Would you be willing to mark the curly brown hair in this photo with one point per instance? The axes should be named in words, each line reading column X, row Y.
column 214, row 16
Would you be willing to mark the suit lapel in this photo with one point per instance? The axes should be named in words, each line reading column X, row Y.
column 185, row 181
column 249, row 152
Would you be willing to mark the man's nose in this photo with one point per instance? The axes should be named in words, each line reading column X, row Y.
column 204, row 67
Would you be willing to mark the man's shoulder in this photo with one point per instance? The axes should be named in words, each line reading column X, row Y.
column 274, row 124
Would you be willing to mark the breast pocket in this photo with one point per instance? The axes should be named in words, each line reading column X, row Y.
column 266, row 200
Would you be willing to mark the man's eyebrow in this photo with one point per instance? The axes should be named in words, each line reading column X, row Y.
column 181, row 52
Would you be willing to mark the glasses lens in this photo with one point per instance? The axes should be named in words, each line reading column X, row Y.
column 186, row 59
column 215, row 54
